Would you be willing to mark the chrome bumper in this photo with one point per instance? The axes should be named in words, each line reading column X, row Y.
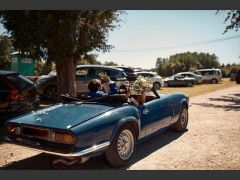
column 36, row 147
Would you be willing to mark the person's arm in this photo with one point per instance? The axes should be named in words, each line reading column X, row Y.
column 108, row 85
column 113, row 88
column 97, row 94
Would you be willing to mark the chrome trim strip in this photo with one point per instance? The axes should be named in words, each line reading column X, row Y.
column 75, row 154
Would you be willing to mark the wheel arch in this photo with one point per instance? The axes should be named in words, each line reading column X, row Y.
column 185, row 102
column 133, row 122
column 214, row 79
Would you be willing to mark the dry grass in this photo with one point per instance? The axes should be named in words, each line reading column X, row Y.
column 199, row 89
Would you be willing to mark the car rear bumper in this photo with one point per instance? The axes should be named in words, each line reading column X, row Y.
column 36, row 146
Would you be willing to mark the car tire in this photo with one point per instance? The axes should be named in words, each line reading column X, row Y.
column 157, row 85
column 50, row 93
column 189, row 84
column 182, row 121
column 122, row 148
column 214, row 81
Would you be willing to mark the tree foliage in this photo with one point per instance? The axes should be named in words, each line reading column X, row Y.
column 233, row 18
column 61, row 36
column 5, row 50
column 186, row 62
column 110, row 63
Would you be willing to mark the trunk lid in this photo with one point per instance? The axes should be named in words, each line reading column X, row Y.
column 62, row 116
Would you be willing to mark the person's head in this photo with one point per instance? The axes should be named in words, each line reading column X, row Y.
column 94, row 85
column 124, row 88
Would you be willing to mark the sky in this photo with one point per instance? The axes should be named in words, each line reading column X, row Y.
column 145, row 35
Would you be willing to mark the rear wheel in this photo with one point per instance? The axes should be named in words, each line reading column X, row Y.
column 214, row 81
column 50, row 93
column 123, row 147
column 156, row 85
column 182, row 121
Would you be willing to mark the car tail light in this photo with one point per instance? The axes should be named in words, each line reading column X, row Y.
column 14, row 95
column 62, row 137
column 13, row 129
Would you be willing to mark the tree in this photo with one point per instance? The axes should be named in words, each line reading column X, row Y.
column 62, row 37
column 88, row 59
column 234, row 17
column 110, row 63
column 186, row 62
column 5, row 50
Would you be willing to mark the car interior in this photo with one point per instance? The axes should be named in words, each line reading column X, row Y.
column 112, row 98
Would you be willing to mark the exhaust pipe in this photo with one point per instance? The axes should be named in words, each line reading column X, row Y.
column 69, row 162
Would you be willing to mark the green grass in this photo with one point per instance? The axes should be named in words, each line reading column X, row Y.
column 199, row 89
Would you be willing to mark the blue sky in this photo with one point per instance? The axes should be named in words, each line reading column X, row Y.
column 145, row 35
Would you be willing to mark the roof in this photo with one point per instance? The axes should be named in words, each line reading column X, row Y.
column 185, row 72
column 99, row 66
column 148, row 72
column 7, row 73
column 208, row 69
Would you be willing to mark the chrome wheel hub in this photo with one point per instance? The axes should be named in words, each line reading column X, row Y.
column 125, row 144
column 184, row 117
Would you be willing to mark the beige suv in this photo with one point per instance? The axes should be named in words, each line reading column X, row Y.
column 210, row 75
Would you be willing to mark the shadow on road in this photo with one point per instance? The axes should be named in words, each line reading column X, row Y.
column 44, row 161
column 233, row 102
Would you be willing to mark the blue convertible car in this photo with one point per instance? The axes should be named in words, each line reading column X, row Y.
column 81, row 129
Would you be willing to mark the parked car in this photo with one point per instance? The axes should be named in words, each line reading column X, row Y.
column 156, row 80
column 131, row 74
column 178, row 80
column 238, row 76
column 210, row 75
column 47, row 84
column 17, row 93
column 198, row 78
column 108, row 125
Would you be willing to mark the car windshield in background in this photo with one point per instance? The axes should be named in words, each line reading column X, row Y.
column 127, row 70
column 172, row 77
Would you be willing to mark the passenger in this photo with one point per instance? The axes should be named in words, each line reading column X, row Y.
column 125, row 88
column 98, row 87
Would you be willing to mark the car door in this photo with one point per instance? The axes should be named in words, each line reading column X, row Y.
column 154, row 115
column 179, row 81
column 207, row 75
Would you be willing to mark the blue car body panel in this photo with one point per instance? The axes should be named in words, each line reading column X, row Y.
column 62, row 116
column 95, row 123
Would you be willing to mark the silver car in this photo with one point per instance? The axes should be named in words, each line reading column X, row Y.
column 210, row 75
column 47, row 84
column 199, row 78
column 156, row 80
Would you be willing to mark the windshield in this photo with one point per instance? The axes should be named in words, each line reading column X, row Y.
column 172, row 77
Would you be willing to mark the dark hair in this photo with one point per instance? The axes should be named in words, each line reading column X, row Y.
column 123, row 88
column 94, row 85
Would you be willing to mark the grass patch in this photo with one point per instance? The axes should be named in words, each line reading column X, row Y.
column 199, row 89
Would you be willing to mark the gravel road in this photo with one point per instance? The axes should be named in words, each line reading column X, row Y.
column 212, row 141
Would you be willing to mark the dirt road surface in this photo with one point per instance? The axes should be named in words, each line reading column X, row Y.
column 212, row 141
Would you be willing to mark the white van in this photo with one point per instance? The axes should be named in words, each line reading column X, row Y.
column 210, row 75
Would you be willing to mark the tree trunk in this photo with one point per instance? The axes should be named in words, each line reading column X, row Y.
column 66, row 76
